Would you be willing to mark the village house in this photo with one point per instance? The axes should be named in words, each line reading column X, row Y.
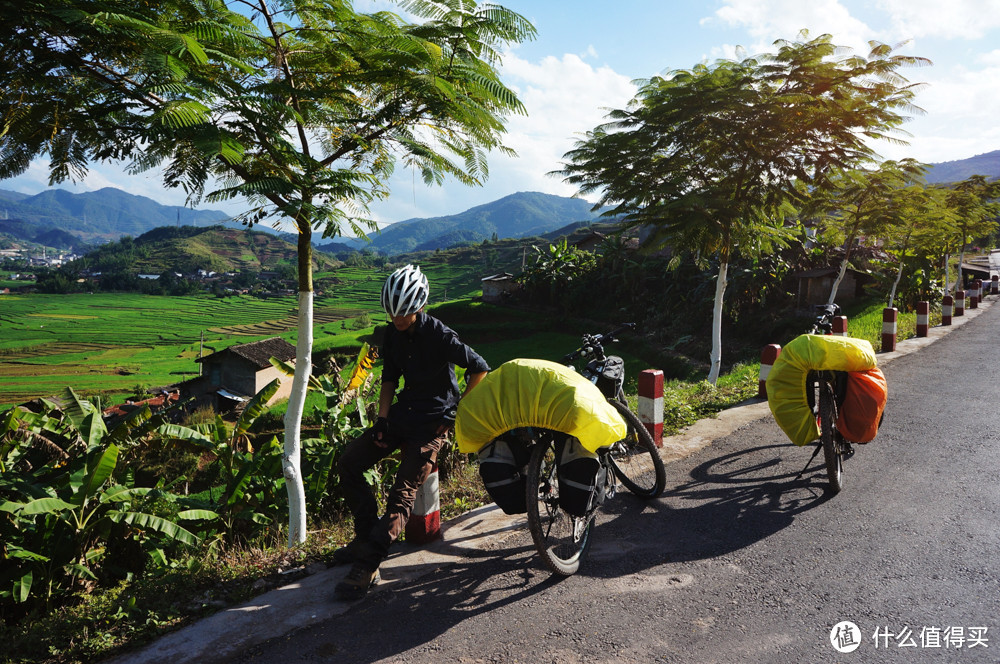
column 231, row 377
column 815, row 285
column 497, row 286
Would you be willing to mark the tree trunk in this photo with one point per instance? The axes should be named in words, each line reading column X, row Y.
column 836, row 282
column 895, row 284
column 961, row 259
column 720, row 291
column 291, row 465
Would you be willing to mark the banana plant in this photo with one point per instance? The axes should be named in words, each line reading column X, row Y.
column 250, row 497
column 61, row 505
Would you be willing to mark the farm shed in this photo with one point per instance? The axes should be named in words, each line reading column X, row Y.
column 235, row 374
column 815, row 285
column 496, row 286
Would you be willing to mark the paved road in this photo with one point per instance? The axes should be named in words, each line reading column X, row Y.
column 739, row 561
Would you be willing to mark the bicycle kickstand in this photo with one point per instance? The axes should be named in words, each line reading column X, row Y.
column 809, row 462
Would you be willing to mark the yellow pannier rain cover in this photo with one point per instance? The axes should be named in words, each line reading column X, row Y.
column 786, row 383
column 536, row 393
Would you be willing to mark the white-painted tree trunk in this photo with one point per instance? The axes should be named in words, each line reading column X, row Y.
column 895, row 284
column 947, row 286
column 291, row 465
column 720, row 292
column 836, row 282
column 961, row 259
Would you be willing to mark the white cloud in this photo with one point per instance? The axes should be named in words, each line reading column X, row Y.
column 954, row 19
column 564, row 97
column 768, row 20
column 956, row 97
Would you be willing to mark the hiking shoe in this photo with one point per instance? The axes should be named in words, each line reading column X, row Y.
column 349, row 553
column 357, row 582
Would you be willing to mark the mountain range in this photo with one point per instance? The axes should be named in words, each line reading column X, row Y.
column 524, row 214
column 63, row 220
column 98, row 216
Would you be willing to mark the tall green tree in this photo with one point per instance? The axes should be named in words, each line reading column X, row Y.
column 863, row 203
column 975, row 204
column 302, row 107
column 714, row 158
column 923, row 222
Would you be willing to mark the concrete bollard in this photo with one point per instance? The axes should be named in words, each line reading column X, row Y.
column 768, row 356
column 650, row 406
column 995, row 285
column 974, row 295
column 424, row 524
column 960, row 303
column 840, row 326
column 923, row 318
column 889, row 317
column 947, row 306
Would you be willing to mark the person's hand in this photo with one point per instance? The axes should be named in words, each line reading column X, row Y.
column 379, row 431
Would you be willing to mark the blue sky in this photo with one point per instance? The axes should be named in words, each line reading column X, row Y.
column 588, row 52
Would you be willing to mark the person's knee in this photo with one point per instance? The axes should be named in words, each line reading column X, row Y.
column 349, row 464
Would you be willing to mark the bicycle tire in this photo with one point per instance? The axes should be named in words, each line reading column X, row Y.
column 629, row 457
column 828, row 437
column 561, row 539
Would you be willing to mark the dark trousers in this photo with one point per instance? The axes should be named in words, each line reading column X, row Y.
column 419, row 454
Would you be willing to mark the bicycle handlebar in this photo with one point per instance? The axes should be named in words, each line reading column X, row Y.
column 593, row 342
column 824, row 319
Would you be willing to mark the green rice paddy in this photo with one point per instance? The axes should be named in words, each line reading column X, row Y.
column 114, row 343
column 111, row 343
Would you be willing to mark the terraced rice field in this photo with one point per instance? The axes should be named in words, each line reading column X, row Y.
column 114, row 342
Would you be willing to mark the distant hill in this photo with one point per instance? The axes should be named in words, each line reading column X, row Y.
column 519, row 215
column 188, row 248
column 987, row 164
column 97, row 216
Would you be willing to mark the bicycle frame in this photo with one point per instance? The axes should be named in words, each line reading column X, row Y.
column 824, row 390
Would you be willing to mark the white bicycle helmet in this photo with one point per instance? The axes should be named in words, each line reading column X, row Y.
column 405, row 292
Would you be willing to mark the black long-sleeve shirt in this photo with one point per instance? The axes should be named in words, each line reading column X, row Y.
column 425, row 357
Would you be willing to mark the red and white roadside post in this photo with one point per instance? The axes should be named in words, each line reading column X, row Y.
column 960, row 303
column 424, row 524
column 889, row 317
column 995, row 285
column 768, row 355
column 650, row 405
column 947, row 307
column 923, row 318
column 974, row 295
column 839, row 326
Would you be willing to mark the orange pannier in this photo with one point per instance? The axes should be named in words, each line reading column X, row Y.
column 864, row 402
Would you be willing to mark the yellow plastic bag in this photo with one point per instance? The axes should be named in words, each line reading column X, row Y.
column 786, row 383
column 536, row 393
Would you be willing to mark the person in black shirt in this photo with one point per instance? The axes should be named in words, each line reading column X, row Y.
column 417, row 419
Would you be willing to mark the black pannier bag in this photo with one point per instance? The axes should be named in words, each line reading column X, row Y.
column 579, row 477
column 502, row 466
column 612, row 378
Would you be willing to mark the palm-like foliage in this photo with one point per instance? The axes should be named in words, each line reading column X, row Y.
column 714, row 158
column 302, row 107
column 865, row 203
column 976, row 204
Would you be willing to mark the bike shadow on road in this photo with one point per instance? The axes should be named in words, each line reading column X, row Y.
column 724, row 504
column 412, row 615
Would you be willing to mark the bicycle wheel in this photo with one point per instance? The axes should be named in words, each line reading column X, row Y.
column 829, row 437
column 636, row 461
column 561, row 539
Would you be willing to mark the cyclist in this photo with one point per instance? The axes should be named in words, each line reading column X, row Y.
column 422, row 351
